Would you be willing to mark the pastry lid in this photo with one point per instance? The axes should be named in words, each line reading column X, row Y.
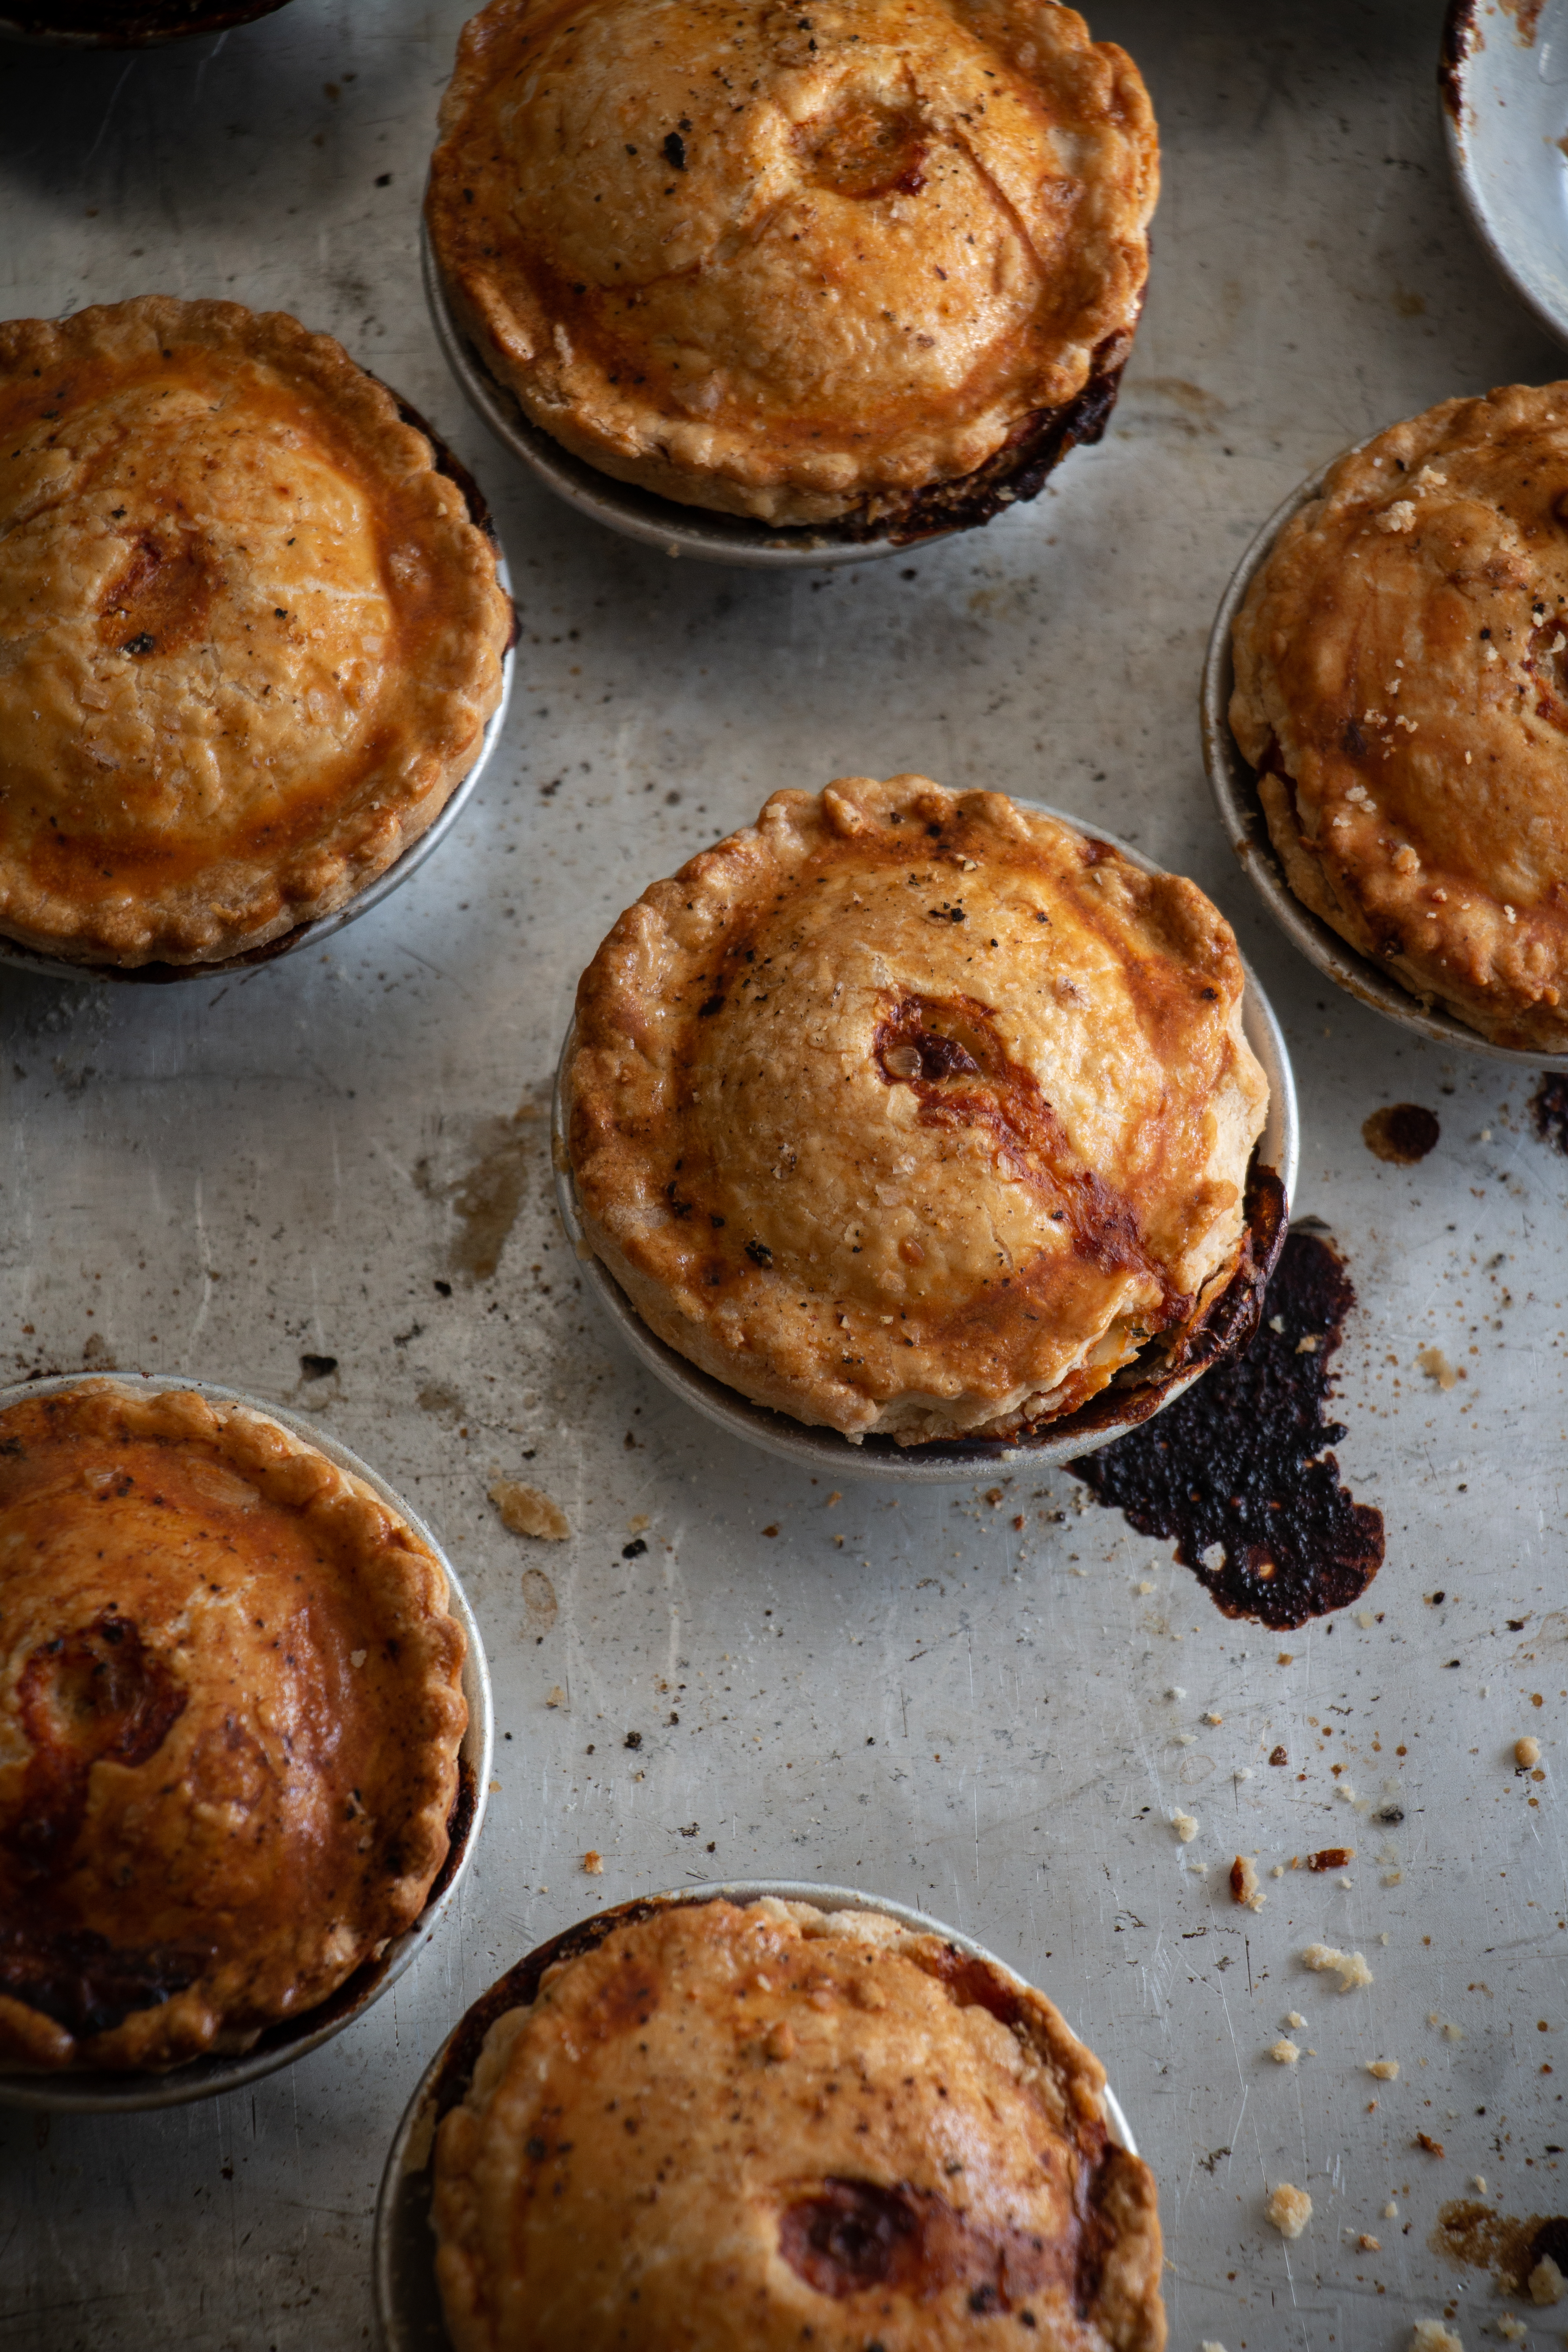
column 87, row 2093
column 406, row 2299
column 947, row 1461
column 1235, row 787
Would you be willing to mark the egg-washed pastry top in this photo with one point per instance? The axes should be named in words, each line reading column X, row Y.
column 772, row 2126
column 230, row 1711
column 914, row 1112
column 869, row 258
column 1402, row 684
column 249, row 636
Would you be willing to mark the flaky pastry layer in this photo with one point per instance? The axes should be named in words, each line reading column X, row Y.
column 796, row 267
column 914, row 1112
column 824, row 2126
column 1402, row 685
column 249, row 636
column 230, row 1711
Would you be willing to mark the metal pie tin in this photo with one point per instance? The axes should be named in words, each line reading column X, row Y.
column 322, row 928
column 84, row 2093
column 142, row 24
column 941, row 1462
column 1501, row 76
column 1234, row 788
column 407, row 2302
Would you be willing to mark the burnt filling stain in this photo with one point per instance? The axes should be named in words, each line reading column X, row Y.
column 1549, row 1110
column 1240, row 1460
column 95, row 1693
column 850, row 2236
column 80, row 1980
column 1400, row 1133
column 1474, row 2236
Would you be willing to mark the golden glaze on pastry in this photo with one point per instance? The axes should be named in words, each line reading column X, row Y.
column 249, row 635
column 798, row 266
column 772, row 2127
column 912, row 1112
column 1402, row 682
column 230, row 1710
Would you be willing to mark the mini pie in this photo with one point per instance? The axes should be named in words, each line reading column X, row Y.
column 770, row 2126
column 230, row 1711
column 1402, row 685
column 249, row 636
column 915, row 1112
column 127, row 24
column 878, row 262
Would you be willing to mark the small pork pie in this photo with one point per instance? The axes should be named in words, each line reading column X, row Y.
column 715, row 2124
column 915, row 1112
column 230, row 1711
column 877, row 262
column 249, row 636
column 1402, row 686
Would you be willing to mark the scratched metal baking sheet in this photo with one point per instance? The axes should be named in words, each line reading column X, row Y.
column 344, row 1158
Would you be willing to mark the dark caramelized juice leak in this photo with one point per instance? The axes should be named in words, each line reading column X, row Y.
column 1238, row 1466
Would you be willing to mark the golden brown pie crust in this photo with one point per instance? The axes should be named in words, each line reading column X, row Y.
column 800, row 267
column 249, row 637
column 771, row 2125
column 914, row 1112
column 1402, row 685
column 230, row 1711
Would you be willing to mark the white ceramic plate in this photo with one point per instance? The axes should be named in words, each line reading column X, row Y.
column 944, row 1462
column 1234, row 788
column 1504, row 82
column 407, row 2303
column 204, row 2078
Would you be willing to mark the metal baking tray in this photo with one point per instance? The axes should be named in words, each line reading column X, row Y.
column 100, row 2094
column 943, row 1463
column 407, row 2300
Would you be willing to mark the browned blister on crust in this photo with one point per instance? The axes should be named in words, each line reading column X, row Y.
column 1402, row 686
column 803, row 271
column 249, row 636
column 837, row 2129
column 914, row 1112
column 230, row 1710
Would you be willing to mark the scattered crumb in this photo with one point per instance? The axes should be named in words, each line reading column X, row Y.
column 1147, row 1585
column 1546, row 2281
column 1295, row 2018
column 1244, row 1887
column 526, row 1512
column 1433, row 2147
column 1431, row 2335
column 1209, row 1716
column 1452, row 2033
column 1526, row 1752
column 1513, row 2330
column 594, row 1863
column 1390, row 2211
column 1185, row 1826
column 1352, row 1968
column 1369, row 2244
column 1290, row 2209
column 555, row 1696
column 1242, row 1772
column 358, row 1657
column 638, row 1521
column 1393, row 1879
column 1386, row 2069
column 1366, row 1619
column 1277, row 1871
column 1400, row 516
column 1208, row 2345
column 1436, row 1367
column 1186, row 1740
column 1175, row 1691
column 1283, row 2053
column 1480, row 2184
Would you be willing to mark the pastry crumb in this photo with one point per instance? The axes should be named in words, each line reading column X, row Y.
column 1526, row 1752
column 1436, row 1367
column 1351, row 1967
column 1390, row 2211
column 1431, row 2335
column 1400, row 516
column 1546, row 2281
column 527, row 1512
column 1512, row 2330
column 594, row 1862
column 1185, row 1826
column 1480, row 2184
column 1284, row 2053
column 1290, row 2209
column 1386, row 2069
column 1294, row 2017
column 1433, row 2147
column 1208, row 2345
column 1244, row 1887
column 555, row 1696
column 1369, row 2244
column 1209, row 1716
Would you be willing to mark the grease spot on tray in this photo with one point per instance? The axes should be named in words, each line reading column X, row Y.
column 1400, row 1133
column 488, row 1194
column 1238, row 1472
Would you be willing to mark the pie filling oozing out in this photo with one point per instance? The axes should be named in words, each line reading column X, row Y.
column 876, row 264
column 230, row 1713
column 249, row 635
column 1402, row 688
column 845, row 2131
column 916, row 1113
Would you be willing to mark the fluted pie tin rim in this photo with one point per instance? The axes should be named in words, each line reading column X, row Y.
column 1234, row 784
column 407, row 2303
column 322, row 928
column 942, row 1461
column 102, row 2092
